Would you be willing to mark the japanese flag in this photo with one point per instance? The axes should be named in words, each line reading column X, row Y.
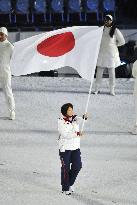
column 76, row 47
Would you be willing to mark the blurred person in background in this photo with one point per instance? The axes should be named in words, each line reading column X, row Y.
column 6, row 50
column 134, row 73
column 109, row 55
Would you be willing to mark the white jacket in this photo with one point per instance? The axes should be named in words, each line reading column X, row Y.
column 6, row 50
column 134, row 73
column 68, row 134
column 109, row 55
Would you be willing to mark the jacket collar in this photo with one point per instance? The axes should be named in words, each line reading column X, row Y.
column 70, row 119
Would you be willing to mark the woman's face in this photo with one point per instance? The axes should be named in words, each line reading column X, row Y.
column 107, row 23
column 2, row 37
column 69, row 112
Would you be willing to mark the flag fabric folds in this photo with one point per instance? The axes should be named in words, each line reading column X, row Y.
column 76, row 47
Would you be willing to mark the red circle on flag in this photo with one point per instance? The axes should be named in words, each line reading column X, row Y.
column 57, row 45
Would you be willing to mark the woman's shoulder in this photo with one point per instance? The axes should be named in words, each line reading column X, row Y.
column 9, row 45
column 60, row 119
column 117, row 31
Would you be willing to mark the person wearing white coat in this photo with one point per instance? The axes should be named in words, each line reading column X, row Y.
column 109, row 55
column 6, row 49
column 134, row 73
column 69, row 147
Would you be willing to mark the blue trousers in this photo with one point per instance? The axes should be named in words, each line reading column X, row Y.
column 70, row 167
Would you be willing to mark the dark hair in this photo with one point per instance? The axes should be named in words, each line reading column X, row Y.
column 112, row 30
column 65, row 107
column 107, row 18
column 113, row 26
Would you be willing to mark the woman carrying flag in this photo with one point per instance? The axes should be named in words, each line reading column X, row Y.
column 69, row 147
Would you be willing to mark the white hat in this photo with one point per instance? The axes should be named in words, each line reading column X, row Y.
column 111, row 18
column 4, row 30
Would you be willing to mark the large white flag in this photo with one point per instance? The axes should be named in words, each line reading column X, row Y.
column 76, row 47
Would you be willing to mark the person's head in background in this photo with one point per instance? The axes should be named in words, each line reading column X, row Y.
column 3, row 34
column 109, row 23
column 108, row 20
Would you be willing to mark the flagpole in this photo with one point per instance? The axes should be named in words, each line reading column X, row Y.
column 91, row 83
column 86, row 108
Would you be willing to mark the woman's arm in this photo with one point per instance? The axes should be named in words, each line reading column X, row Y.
column 11, row 47
column 119, row 37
